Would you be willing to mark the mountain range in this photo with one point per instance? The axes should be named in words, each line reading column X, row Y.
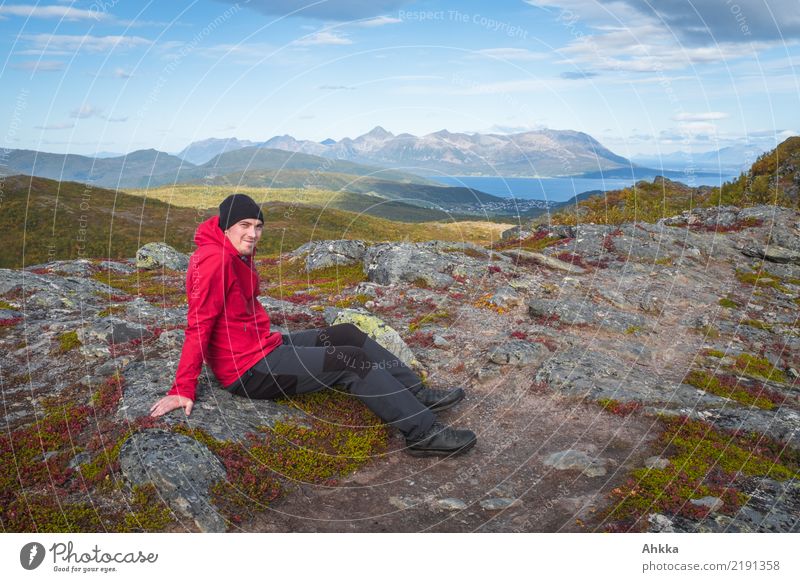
column 533, row 153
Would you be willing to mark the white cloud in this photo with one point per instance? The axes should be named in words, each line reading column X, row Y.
column 617, row 35
column 66, row 125
column 64, row 12
column 707, row 116
column 510, row 54
column 377, row 21
column 85, row 111
column 323, row 37
column 338, row 10
column 60, row 43
column 122, row 73
column 36, row 66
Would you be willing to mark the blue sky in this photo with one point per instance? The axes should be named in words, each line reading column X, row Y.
column 116, row 75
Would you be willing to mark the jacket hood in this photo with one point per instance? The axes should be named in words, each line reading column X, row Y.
column 209, row 233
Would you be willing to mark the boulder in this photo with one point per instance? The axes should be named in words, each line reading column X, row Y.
column 156, row 255
column 182, row 471
column 378, row 330
column 328, row 253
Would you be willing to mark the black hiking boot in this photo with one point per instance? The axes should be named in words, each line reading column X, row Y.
column 441, row 440
column 438, row 400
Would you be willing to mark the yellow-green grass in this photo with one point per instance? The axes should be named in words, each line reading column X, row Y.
column 69, row 220
column 729, row 387
column 703, row 461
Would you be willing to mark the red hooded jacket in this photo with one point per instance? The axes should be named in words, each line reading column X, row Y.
column 226, row 325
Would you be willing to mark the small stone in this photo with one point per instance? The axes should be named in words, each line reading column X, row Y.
column 450, row 504
column 497, row 503
column 656, row 463
column 714, row 503
column 572, row 459
column 439, row 341
column 660, row 523
column 487, row 374
column 401, row 502
column 79, row 459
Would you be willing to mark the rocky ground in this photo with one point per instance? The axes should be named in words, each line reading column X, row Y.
column 633, row 378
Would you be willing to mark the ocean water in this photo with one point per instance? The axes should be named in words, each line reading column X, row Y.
column 561, row 189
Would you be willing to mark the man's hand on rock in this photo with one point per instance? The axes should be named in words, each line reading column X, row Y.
column 170, row 403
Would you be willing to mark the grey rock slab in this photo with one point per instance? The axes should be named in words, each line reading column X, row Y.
column 519, row 353
column 573, row 459
column 182, row 471
column 388, row 264
column 225, row 416
column 585, row 312
column 576, row 371
column 773, row 253
column 112, row 329
column 544, row 260
column 52, row 292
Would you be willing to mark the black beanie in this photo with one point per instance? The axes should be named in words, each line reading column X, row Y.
column 238, row 207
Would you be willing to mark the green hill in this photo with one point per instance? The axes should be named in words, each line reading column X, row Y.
column 774, row 178
column 193, row 195
column 44, row 220
column 131, row 170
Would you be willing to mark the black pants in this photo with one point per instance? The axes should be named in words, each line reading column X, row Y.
column 315, row 359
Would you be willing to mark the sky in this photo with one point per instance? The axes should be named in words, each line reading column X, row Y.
column 642, row 77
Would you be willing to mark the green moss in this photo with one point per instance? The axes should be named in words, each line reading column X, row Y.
column 68, row 341
column 343, row 435
column 617, row 407
column 440, row 315
column 758, row 324
column 760, row 367
column 727, row 387
column 111, row 310
column 98, row 472
column 760, row 280
column 147, row 511
column 703, row 462
column 633, row 329
column 283, row 278
column 6, row 305
column 165, row 287
column 709, row 331
column 42, row 513
column 729, row 303
column 714, row 353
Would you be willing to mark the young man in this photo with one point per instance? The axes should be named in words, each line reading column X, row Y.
column 230, row 329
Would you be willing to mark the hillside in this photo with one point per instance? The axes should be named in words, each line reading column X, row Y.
column 774, row 178
column 132, row 170
column 632, row 378
column 189, row 195
column 43, row 220
column 415, row 194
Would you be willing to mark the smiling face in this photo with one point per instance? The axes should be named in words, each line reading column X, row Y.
column 245, row 234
